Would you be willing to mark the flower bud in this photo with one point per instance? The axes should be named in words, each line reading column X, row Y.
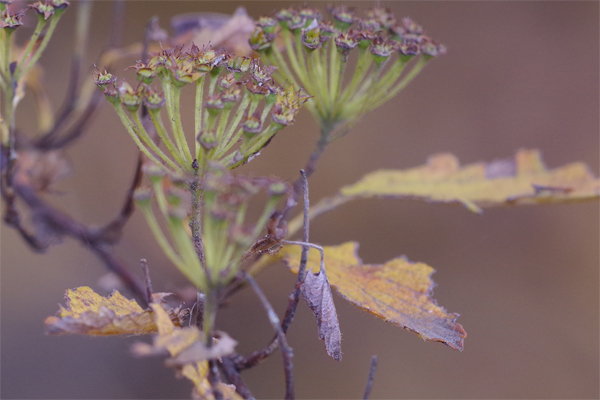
column 130, row 98
column 411, row 26
column 260, row 40
column 383, row 16
column 207, row 140
column 10, row 21
column 144, row 72
column 239, row 64
column 142, row 196
column 311, row 36
column 431, row 48
column 44, row 10
column 381, row 50
column 284, row 17
column 253, row 124
column 345, row 42
column 153, row 172
column 343, row 17
column 268, row 24
column 104, row 79
column 153, row 100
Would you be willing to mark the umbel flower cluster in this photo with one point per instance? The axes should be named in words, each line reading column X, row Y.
column 317, row 51
column 234, row 98
column 238, row 109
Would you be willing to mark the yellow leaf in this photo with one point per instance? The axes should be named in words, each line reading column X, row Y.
column 522, row 180
column 188, row 352
column 88, row 313
column 398, row 291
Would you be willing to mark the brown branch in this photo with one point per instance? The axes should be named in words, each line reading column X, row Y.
column 64, row 225
column 233, row 377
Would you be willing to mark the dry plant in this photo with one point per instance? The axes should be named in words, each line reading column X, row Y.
column 196, row 206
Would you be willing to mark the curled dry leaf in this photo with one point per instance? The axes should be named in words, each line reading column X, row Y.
column 523, row 179
column 398, row 291
column 188, row 353
column 317, row 293
column 88, row 313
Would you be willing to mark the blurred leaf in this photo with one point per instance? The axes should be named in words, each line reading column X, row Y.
column 188, row 353
column 88, row 313
column 231, row 32
column 522, row 180
column 317, row 293
column 399, row 291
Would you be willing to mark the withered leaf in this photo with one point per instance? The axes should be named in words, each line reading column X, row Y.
column 398, row 291
column 188, row 353
column 523, row 179
column 88, row 313
column 317, row 294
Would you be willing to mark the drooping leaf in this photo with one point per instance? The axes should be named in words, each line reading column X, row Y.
column 317, row 293
column 523, row 179
column 88, row 313
column 188, row 352
column 398, row 291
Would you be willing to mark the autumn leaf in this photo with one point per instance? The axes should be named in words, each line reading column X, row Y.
column 88, row 313
column 188, row 353
column 317, row 294
column 398, row 291
column 523, row 179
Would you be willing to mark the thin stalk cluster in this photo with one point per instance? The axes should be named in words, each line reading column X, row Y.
column 225, row 234
column 314, row 55
column 14, row 67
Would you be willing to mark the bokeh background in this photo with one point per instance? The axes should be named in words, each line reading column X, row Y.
column 525, row 280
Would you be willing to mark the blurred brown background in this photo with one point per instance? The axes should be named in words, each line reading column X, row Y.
column 517, row 74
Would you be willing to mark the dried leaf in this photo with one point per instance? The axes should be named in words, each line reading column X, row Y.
column 317, row 293
column 41, row 169
column 188, row 353
column 88, row 313
column 231, row 32
column 399, row 291
column 522, row 180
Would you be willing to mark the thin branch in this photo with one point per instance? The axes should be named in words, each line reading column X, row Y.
column 233, row 377
column 63, row 224
column 371, row 378
column 259, row 355
column 84, row 12
column 286, row 351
